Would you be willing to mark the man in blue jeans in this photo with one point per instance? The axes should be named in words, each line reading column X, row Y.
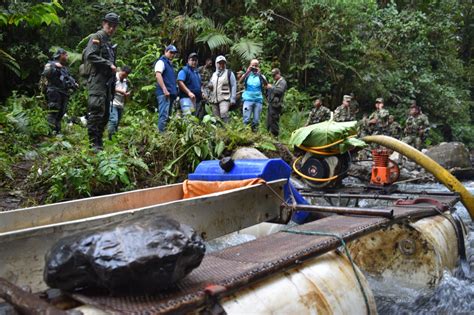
column 189, row 82
column 254, row 82
column 166, row 90
column 121, row 94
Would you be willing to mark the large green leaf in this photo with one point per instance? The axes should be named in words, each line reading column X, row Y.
column 327, row 132
column 247, row 49
column 9, row 62
column 214, row 38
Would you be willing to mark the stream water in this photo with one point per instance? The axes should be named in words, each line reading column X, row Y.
column 454, row 295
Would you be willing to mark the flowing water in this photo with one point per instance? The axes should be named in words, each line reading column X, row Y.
column 454, row 295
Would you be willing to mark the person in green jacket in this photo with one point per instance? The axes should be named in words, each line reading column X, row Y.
column 275, row 95
column 100, row 54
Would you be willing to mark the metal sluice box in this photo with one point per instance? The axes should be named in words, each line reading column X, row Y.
column 27, row 234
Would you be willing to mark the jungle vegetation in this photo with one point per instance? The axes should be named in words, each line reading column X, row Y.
column 400, row 50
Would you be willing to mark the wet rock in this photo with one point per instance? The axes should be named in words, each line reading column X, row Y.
column 133, row 257
column 248, row 153
column 450, row 155
column 361, row 170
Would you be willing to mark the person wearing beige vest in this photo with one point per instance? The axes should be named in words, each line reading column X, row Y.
column 223, row 86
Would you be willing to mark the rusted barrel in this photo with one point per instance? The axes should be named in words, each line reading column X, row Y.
column 324, row 285
column 412, row 255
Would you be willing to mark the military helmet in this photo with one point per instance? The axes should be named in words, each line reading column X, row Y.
column 112, row 18
column 58, row 53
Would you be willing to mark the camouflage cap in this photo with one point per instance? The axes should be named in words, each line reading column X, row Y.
column 347, row 98
column 379, row 100
column 112, row 17
column 58, row 53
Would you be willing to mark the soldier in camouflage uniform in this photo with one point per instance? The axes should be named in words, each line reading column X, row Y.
column 416, row 127
column 319, row 113
column 345, row 112
column 275, row 96
column 100, row 55
column 394, row 128
column 60, row 82
column 378, row 120
column 363, row 125
column 206, row 72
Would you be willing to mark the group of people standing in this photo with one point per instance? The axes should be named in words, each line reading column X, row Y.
column 195, row 86
column 379, row 122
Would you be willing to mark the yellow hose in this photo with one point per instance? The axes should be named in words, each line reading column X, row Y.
column 446, row 178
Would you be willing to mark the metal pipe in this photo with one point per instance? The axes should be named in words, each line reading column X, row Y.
column 347, row 210
column 359, row 196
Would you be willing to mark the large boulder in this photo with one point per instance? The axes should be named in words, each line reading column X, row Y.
column 247, row 154
column 134, row 257
column 450, row 155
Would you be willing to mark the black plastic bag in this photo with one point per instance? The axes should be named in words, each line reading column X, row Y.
column 133, row 257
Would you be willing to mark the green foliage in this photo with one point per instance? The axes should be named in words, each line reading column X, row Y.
column 247, row 49
column 465, row 134
column 396, row 50
column 33, row 16
column 22, row 123
column 325, row 133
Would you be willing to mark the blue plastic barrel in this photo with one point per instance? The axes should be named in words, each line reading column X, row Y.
column 266, row 169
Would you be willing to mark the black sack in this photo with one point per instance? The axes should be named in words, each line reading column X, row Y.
column 133, row 257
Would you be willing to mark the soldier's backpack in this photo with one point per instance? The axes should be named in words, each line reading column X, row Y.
column 85, row 69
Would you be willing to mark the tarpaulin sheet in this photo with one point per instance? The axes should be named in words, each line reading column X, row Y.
column 196, row 188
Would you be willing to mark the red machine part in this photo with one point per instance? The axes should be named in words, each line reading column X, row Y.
column 384, row 171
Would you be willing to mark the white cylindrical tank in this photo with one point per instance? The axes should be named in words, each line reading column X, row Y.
column 323, row 285
column 412, row 255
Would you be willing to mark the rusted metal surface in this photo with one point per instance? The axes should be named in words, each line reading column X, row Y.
column 237, row 267
column 26, row 303
column 313, row 287
column 22, row 251
column 411, row 254
column 386, row 213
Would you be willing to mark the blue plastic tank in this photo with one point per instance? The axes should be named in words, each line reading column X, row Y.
column 266, row 169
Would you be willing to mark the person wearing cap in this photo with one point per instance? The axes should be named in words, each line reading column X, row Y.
column 166, row 90
column 275, row 95
column 378, row 120
column 417, row 127
column 223, row 86
column 60, row 83
column 344, row 112
column 319, row 113
column 254, row 83
column 100, row 53
column 121, row 94
column 189, row 83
